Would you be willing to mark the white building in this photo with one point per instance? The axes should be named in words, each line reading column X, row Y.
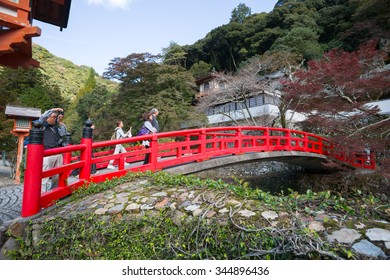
column 383, row 105
column 261, row 105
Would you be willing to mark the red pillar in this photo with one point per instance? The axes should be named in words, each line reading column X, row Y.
column 267, row 142
column 153, row 151
column 372, row 160
column 238, row 142
column 31, row 203
column 86, row 155
column 202, row 146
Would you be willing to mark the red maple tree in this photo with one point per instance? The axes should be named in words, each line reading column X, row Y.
column 334, row 92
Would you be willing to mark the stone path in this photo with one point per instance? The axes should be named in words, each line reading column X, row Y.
column 10, row 195
column 10, row 203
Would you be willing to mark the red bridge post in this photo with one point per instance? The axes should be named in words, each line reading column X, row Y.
column 86, row 154
column 267, row 141
column 153, row 151
column 238, row 142
column 202, row 146
column 372, row 160
column 31, row 203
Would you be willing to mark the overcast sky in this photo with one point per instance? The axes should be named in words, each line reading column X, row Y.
column 99, row 30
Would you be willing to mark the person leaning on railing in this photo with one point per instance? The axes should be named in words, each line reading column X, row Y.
column 51, row 139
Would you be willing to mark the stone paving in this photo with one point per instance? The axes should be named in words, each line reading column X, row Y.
column 10, row 203
column 10, row 195
column 139, row 198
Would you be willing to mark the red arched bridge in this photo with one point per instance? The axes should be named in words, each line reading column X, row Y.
column 204, row 148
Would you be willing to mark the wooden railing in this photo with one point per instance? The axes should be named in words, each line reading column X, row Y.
column 166, row 150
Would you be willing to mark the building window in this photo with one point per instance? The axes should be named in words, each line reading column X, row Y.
column 252, row 102
column 209, row 111
column 22, row 123
column 269, row 100
column 260, row 100
column 206, row 86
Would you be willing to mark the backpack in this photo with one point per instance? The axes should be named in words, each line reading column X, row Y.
column 143, row 131
column 113, row 136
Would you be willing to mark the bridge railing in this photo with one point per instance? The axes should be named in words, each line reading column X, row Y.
column 166, row 150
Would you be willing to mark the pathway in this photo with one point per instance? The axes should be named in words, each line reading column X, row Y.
column 10, row 195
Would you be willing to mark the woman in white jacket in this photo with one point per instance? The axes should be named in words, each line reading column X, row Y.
column 118, row 135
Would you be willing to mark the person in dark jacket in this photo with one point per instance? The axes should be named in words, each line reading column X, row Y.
column 146, row 129
column 51, row 139
column 154, row 121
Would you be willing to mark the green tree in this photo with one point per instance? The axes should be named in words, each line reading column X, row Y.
column 36, row 98
column 369, row 21
column 331, row 22
column 30, row 88
column 89, row 85
column 95, row 105
column 65, row 75
column 307, row 27
column 27, row 88
column 300, row 40
column 73, row 118
column 200, row 69
column 255, row 36
column 239, row 13
column 378, row 10
column 7, row 140
column 174, row 54
column 221, row 47
column 146, row 84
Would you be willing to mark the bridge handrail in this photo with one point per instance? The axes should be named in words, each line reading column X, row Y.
column 166, row 149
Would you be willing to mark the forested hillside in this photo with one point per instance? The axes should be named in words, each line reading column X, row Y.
column 305, row 27
column 66, row 75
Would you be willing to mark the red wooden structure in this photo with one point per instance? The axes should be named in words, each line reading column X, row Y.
column 166, row 150
column 16, row 30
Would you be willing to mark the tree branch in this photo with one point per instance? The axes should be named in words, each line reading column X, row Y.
column 368, row 126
